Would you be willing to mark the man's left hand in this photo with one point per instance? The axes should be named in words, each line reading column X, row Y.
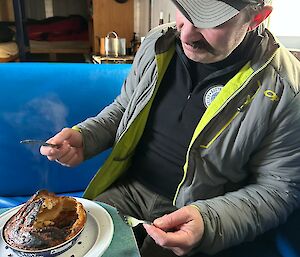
column 179, row 231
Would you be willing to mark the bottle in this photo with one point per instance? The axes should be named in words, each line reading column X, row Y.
column 133, row 44
column 161, row 18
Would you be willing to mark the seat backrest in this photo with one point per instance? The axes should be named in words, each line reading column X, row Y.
column 36, row 101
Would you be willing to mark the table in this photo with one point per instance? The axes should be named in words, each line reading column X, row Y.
column 123, row 242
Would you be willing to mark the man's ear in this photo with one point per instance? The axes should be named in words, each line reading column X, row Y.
column 260, row 17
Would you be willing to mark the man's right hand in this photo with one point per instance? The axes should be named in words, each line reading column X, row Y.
column 70, row 153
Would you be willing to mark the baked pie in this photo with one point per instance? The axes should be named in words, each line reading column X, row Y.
column 45, row 220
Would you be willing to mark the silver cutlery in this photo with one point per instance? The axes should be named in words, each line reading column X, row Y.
column 132, row 221
column 39, row 142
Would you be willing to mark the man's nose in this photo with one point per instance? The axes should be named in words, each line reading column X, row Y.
column 189, row 33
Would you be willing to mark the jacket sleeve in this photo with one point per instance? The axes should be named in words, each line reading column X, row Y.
column 102, row 131
column 272, row 193
column 99, row 132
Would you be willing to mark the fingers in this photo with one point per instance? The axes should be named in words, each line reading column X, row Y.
column 74, row 160
column 174, row 219
column 179, row 238
column 179, row 231
column 71, row 136
column 66, row 155
column 70, row 153
column 163, row 239
column 69, row 156
column 55, row 153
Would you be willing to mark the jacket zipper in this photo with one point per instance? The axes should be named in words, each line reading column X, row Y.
column 241, row 107
column 185, row 169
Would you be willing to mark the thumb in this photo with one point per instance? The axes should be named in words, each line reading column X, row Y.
column 172, row 220
column 69, row 135
column 65, row 134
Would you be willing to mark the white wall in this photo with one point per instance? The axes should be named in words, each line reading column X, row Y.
column 49, row 8
column 164, row 6
column 141, row 17
column 35, row 9
column 284, row 22
column 147, row 14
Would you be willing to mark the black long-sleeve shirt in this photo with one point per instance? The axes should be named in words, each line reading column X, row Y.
column 181, row 100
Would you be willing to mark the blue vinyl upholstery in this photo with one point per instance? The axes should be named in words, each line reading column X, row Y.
column 37, row 100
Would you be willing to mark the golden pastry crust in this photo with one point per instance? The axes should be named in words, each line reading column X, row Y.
column 44, row 221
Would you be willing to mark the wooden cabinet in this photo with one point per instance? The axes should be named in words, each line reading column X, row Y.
column 6, row 10
column 109, row 15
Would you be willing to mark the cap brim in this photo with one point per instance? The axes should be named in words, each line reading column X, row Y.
column 206, row 13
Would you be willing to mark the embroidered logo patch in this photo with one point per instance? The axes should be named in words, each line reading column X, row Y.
column 211, row 94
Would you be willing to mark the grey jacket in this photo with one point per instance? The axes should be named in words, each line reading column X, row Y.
column 242, row 166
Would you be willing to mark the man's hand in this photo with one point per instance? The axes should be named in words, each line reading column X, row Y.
column 179, row 231
column 71, row 151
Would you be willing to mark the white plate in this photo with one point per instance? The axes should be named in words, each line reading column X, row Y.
column 94, row 239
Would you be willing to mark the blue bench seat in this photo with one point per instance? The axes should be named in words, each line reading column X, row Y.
column 37, row 100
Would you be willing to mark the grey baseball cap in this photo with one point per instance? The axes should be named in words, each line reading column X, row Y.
column 211, row 13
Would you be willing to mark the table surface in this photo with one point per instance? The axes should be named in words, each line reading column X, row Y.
column 123, row 242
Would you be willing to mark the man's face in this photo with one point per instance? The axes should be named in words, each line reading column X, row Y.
column 213, row 44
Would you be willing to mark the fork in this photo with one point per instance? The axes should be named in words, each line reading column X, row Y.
column 132, row 221
column 39, row 142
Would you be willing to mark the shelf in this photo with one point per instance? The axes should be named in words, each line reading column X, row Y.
column 110, row 59
column 13, row 58
column 59, row 47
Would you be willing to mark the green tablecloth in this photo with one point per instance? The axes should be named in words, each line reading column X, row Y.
column 123, row 242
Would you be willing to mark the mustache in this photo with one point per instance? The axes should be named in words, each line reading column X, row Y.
column 200, row 44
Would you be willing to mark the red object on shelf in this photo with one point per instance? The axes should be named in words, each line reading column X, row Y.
column 60, row 29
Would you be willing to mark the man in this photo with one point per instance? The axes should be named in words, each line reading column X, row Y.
column 204, row 132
